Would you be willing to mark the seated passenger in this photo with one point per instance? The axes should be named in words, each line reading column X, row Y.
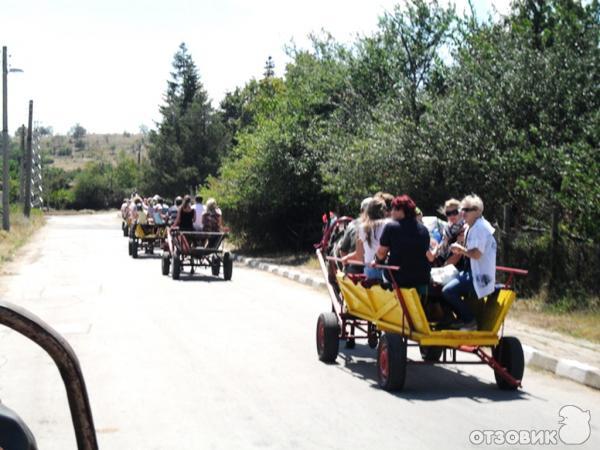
column 199, row 207
column 185, row 215
column 347, row 244
column 453, row 232
column 479, row 274
column 212, row 220
column 367, row 240
column 172, row 211
column 404, row 243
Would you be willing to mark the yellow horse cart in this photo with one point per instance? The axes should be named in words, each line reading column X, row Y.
column 392, row 318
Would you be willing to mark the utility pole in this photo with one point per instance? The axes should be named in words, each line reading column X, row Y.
column 5, row 181
column 28, row 157
column 22, row 165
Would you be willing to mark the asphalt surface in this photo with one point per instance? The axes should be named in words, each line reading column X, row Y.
column 204, row 363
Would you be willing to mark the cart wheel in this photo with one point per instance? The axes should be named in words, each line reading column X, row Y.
column 166, row 264
column 391, row 362
column 215, row 266
column 373, row 340
column 509, row 354
column 134, row 249
column 431, row 353
column 328, row 332
column 227, row 266
column 129, row 246
column 176, row 266
column 350, row 343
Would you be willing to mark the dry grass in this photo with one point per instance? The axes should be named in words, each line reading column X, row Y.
column 579, row 324
column 98, row 147
column 21, row 229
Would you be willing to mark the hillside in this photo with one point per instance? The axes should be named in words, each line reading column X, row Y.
column 70, row 153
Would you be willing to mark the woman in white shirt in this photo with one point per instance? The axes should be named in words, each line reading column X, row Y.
column 479, row 275
column 367, row 240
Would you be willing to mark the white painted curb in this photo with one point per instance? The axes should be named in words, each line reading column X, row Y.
column 566, row 368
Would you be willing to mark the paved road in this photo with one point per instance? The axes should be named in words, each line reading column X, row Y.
column 204, row 363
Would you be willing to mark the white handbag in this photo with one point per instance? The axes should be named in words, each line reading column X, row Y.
column 443, row 275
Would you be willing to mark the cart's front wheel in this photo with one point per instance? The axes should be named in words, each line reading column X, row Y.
column 166, row 264
column 129, row 245
column 227, row 266
column 391, row 361
column 176, row 266
column 328, row 331
column 134, row 249
column 509, row 354
column 431, row 353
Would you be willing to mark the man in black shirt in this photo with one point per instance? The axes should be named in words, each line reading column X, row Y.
column 407, row 241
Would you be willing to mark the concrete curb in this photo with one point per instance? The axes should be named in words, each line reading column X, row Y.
column 565, row 368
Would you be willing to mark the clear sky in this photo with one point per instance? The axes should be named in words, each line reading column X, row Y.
column 105, row 63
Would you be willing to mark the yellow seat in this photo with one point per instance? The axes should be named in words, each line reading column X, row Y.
column 382, row 308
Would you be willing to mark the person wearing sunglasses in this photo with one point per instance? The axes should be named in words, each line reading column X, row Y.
column 452, row 232
column 478, row 276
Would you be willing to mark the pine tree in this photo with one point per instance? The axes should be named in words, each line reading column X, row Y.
column 187, row 146
column 269, row 68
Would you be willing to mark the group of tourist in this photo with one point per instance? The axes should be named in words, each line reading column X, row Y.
column 390, row 232
column 182, row 214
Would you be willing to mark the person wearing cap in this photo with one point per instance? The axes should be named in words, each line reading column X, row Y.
column 478, row 277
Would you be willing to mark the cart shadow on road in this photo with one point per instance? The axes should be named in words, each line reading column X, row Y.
column 199, row 276
column 427, row 382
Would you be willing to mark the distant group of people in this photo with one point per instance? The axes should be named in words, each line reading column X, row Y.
column 390, row 231
column 182, row 214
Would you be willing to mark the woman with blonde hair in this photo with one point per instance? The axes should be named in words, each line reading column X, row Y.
column 367, row 240
column 212, row 220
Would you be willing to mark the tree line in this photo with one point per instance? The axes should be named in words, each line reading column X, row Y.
column 432, row 103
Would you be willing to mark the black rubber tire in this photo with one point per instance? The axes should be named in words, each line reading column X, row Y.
column 165, row 264
column 509, row 353
column 227, row 266
column 176, row 269
column 328, row 331
column 431, row 353
column 134, row 249
column 373, row 340
column 391, row 362
column 350, row 343
column 129, row 243
column 215, row 266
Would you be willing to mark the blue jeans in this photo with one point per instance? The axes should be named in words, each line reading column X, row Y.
column 372, row 273
column 461, row 286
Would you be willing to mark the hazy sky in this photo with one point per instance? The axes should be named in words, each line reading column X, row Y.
column 105, row 63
